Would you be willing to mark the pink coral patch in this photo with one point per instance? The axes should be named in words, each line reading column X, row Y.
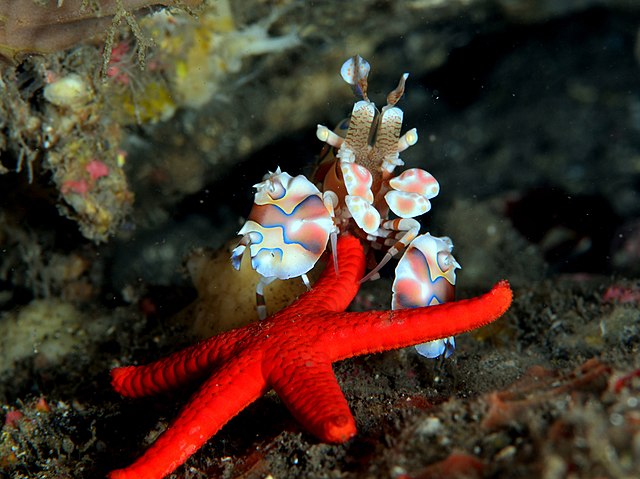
column 97, row 169
column 12, row 418
column 621, row 294
column 79, row 187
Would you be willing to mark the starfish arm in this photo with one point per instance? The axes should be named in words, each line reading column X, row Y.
column 179, row 368
column 305, row 382
column 219, row 399
column 376, row 331
column 331, row 293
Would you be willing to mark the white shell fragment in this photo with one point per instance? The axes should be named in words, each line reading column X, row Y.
column 71, row 91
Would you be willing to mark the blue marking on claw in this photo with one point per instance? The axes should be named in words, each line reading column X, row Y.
column 437, row 348
column 403, row 299
column 236, row 257
column 282, row 224
column 265, row 258
column 238, row 251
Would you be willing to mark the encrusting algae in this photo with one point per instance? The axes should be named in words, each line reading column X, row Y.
column 87, row 96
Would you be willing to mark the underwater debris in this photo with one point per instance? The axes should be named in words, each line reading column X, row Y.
column 93, row 185
column 53, row 121
column 20, row 126
column 81, row 150
column 45, row 439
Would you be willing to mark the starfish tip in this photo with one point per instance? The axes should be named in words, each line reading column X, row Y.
column 339, row 429
column 120, row 378
column 118, row 474
column 502, row 294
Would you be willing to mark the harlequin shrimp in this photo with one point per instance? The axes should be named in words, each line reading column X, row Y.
column 359, row 170
column 293, row 220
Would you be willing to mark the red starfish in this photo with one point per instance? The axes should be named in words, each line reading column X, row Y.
column 291, row 352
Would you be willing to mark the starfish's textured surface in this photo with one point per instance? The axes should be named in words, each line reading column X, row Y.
column 291, row 352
